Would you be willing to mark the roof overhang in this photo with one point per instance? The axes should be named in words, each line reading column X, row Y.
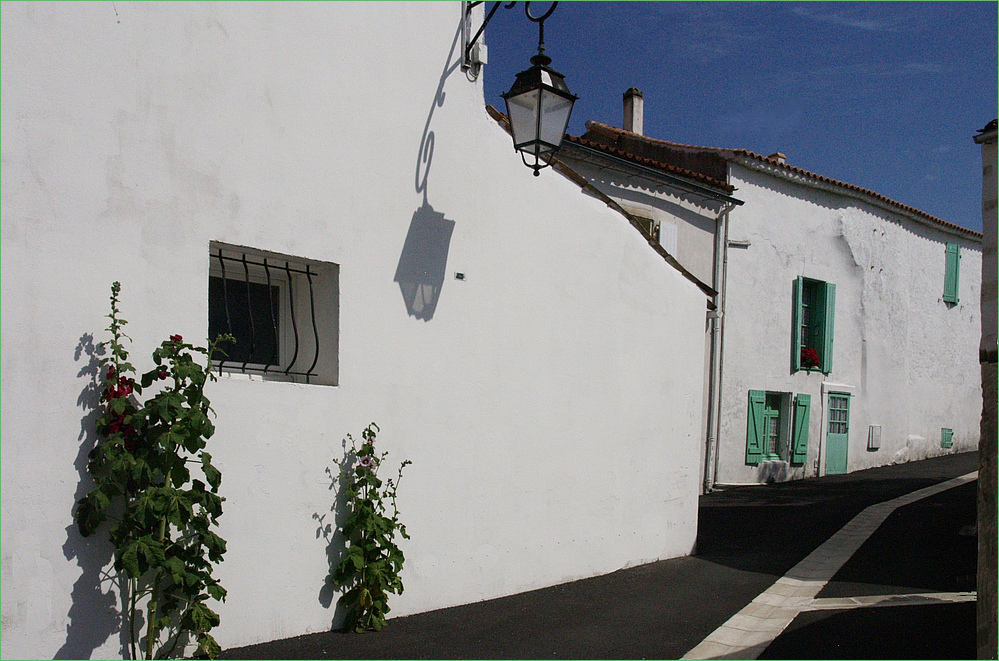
column 602, row 157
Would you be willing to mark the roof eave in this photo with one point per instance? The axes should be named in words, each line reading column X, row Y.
column 662, row 173
column 765, row 164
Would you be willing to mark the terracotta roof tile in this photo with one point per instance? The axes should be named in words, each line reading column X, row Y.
column 652, row 163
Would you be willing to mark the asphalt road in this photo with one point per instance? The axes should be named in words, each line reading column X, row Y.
column 748, row 537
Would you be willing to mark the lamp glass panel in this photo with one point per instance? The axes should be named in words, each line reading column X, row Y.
column 523, row 110
column 555, row 110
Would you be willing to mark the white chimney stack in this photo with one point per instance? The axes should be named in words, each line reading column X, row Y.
column 634, row 110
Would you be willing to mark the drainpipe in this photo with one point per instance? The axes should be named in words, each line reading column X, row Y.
column 716, row 317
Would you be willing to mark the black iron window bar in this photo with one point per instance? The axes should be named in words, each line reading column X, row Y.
column 288, row 270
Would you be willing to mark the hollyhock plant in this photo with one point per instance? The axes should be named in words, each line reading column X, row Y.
column 159, row 519
column 371, row 562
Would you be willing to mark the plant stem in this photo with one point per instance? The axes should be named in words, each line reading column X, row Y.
column 150, row 628
column 155, row 596
column 131, row 616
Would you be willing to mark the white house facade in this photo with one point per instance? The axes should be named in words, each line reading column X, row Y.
column 866, row 287
column 846, row 325
column 520, row 343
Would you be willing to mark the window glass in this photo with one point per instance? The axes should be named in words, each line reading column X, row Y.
column 839, row 409
column 248, row 312
column 772, row 425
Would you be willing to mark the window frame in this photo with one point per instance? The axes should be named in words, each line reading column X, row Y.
column 814, row 315
column 307, row 318
column 761, row 411
column 793, row 418
column 257, row 275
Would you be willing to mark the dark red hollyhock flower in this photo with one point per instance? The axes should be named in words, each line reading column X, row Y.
column 115, row 424
column 176, row 338
column 123, row 389
column 162, row 374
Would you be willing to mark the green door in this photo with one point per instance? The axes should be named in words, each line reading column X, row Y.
column 837, row 438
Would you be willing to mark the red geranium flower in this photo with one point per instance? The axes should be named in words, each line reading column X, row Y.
column 809, row 357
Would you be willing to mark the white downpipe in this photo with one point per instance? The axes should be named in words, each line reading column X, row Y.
column 714, row 375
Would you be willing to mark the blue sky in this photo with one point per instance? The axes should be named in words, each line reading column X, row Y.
column 884, row 95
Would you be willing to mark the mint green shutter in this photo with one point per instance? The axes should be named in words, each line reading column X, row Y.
column 796, row 325
column 754, row 427
column 946, row 438
column 952, row 272
column 799, row 443
column 828, row 324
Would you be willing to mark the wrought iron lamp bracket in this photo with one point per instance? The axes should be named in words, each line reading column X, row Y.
column 473, row 54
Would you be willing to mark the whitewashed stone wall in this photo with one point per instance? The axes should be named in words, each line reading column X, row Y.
column 908, row 359
column 551, row 406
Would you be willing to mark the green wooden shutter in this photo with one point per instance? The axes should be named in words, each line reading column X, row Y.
column 952, row 273
column 754, row 428
column 796, row 325
column 799, row 442
column 946, row 438
column 828, row 324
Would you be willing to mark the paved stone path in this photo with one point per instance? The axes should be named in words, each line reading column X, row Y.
column 750, row 631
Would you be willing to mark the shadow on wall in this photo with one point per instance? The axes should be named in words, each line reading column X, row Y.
column 95, row 614
column 423, row 261
column 331, row 533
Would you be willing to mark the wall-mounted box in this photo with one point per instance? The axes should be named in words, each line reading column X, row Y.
column 874, row 438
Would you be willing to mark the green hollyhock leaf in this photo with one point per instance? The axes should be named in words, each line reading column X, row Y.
column 212, row 474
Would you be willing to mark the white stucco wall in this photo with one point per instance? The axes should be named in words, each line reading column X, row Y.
column 907, row 358
column 551, row 407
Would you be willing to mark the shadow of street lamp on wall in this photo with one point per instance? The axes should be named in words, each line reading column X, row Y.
column 539, row 102
column 423, row 262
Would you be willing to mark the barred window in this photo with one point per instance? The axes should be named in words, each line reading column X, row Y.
column 283, row 312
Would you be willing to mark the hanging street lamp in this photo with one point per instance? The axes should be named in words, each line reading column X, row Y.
column 539, row 105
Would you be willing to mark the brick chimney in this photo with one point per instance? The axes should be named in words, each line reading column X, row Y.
column 634, row 110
